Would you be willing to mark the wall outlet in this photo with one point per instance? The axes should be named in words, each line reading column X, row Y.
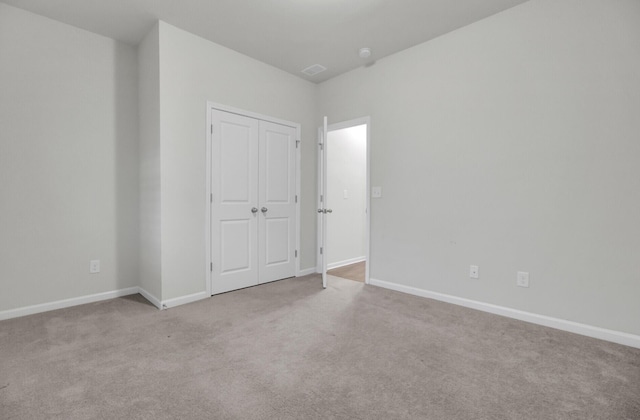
column 94, row 266
column 376, row 192
column 523, row 279
column 474, row 272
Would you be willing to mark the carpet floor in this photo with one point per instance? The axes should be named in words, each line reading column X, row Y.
column 291, row 350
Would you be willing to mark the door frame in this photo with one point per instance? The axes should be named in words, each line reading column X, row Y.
column 220, row 107
column 367, row 230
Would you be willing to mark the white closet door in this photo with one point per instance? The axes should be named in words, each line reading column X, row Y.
column 277, row 188
column 234, row 209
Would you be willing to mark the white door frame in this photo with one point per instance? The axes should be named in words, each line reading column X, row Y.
column 367, row 230
column 211, row 106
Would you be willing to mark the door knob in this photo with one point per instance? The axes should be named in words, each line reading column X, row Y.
column 328, row 211
column 254, row 210
column 264, row 209
column 320, row 211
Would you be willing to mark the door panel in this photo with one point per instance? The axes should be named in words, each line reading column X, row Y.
column 234, row 227
column 277, row 231
column 277, row 202
column 277, row 167
column 235, row 168
column 236, row 252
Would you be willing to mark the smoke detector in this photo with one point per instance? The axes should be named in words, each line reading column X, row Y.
column 313, row 70
column 364, row 52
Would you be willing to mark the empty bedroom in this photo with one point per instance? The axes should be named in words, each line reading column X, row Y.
column 320, row 209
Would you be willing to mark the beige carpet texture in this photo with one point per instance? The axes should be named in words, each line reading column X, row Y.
column 291, row 350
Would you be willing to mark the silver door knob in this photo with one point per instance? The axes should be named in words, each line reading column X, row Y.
column 320, row 211
column 328, row 211
column 264, row 209
column 254, row 210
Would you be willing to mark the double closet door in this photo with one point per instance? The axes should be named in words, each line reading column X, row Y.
column 253, row 211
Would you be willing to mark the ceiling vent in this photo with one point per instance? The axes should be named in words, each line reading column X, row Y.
column 313, row 70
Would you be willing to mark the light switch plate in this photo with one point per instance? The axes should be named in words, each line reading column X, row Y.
column 376, row 192
column 346, row 194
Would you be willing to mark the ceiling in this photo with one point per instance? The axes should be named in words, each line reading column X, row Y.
column 288, row 34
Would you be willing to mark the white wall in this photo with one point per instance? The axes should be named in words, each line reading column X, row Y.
column 192, row 71
column 346, row 170
column 511, row 144
column 68, row 161
column 150, row 211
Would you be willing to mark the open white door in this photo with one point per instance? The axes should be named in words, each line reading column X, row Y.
column 325, row 202
column 322, row 208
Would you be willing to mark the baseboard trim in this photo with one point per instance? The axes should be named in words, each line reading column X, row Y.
column 151, row 298
column 306, row 272
column 345, row 262
column 66, row 303
column 183, row 300
column 547, row 321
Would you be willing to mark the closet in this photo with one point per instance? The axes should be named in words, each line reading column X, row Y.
column 253, row 201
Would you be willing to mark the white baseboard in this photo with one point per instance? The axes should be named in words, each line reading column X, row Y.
column 560, row 324
column 306, row 272
column 183, row 300
column 66, row 303
column 345, row 262
column 151, row 298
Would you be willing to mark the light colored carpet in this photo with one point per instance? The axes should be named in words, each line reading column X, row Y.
column 290, row 350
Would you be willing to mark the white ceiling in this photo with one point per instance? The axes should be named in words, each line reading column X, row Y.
column 288, row 34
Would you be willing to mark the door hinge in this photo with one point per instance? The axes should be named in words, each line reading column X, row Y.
column 211, row 128
column 321, row 146
column 211, row 267
column 320, row 250
column 321, row 198
column 211, row 198
column 297, row 143
column 296, row 198
column 296, row 253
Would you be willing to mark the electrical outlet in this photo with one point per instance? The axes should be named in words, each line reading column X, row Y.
column 94, row 266
column 474, row 272
column 376, row 192
column 523, row 279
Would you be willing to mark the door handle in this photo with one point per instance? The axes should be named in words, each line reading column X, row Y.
column 264, row 209
column 328, row 211
column 320, row 211
column 254, row 210
column 325, row 211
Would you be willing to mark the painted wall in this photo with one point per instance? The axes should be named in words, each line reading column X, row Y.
column 192, row 71
column 150, row 211
column 511, row 144
column 346, row 170
column 68, row 161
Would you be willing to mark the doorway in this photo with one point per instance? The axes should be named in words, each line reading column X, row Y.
column 345, row 251
column 253, row 171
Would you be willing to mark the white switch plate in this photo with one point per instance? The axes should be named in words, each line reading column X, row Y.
column 474, row 272
column 376, row 192
column 346, row 194
column 523, row 279
column 94, row 266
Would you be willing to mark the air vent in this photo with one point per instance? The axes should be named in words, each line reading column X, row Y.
column 313, row 70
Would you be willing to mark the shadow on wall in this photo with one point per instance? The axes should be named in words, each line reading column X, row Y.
column 126, row 172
